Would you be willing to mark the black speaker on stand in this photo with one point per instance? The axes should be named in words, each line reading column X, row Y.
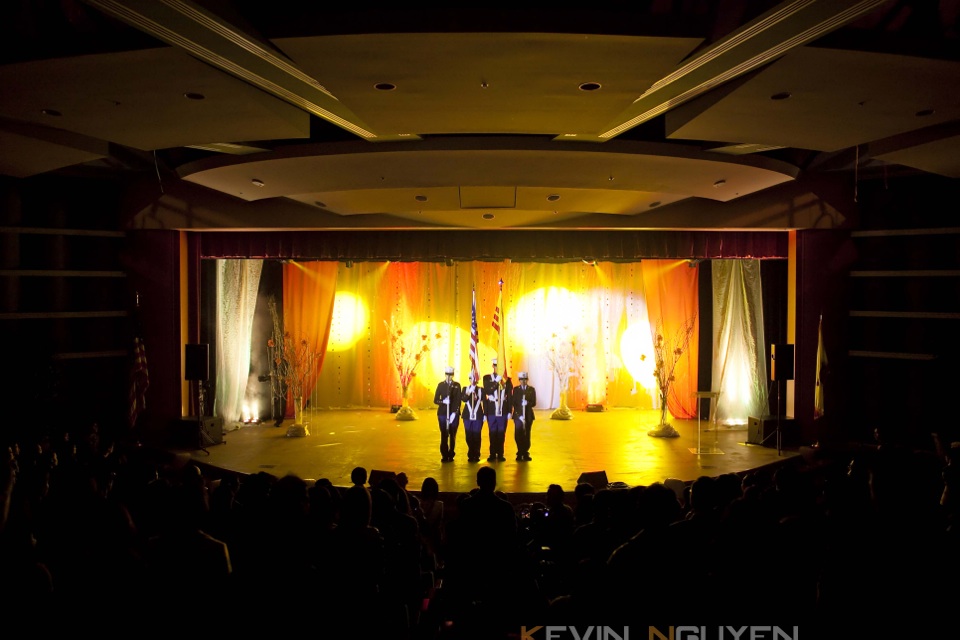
column 781, row 368
column 197, row 369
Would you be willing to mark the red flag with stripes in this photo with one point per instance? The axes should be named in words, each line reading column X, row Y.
column 139, row 374
column 474, row 339
column 498, row 326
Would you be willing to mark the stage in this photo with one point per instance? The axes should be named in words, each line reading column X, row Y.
column 614, row 441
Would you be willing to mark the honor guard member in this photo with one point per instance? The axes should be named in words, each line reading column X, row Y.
column 497, row 390
column 524, row 400
column 447, row 399
column 472, row 397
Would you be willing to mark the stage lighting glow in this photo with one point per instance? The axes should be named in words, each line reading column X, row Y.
column 250, row 412
column 451, row 349
column 349, row 321
column 544, row 312
column 635, row 343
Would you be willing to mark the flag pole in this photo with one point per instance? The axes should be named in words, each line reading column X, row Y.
column 503, row 332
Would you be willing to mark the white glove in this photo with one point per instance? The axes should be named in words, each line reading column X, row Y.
column 523, row 419
column 490, row 398
column 524, row 403
column 453, row 416
column 446, row 401
column 470, row 390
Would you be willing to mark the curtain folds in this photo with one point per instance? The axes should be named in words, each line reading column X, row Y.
column 622, row 245
column 308, row 296
column 237, row 285
column 739, row 360
column 606, row 312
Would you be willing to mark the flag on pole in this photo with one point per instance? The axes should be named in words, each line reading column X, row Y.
column 474, row 339
column 498, row 327
column 818, row 405
column 139, row 374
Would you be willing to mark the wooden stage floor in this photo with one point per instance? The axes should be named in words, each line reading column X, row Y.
column 614, row 441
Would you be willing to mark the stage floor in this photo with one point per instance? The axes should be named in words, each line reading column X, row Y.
column 614, row 441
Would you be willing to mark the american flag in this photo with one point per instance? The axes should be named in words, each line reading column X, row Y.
column 139, row 374
column 474, row 339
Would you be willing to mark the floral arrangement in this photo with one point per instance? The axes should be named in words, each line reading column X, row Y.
column 667, row 354
column 407, row 353
column 564, row 357
column 294, row 360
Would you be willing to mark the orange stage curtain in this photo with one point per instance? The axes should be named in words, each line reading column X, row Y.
column 308, row 294
column 592, row 304
column 671, row 293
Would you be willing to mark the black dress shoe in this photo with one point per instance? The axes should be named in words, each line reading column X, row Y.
column 527, row 457
column 501, row 458
column 492, row 459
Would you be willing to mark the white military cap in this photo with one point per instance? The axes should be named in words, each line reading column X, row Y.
column 494, row 361
column 448, row 371
column 523, row 375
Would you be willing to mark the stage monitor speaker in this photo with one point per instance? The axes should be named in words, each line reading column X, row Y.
column 597, row 479
column 197, row 362
column 781, row 362
column 763, row 431
column 378, row 475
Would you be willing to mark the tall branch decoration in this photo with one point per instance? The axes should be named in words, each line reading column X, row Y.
column 408, row 352
column 667, row 353
column 294, row 362
column 563, row 354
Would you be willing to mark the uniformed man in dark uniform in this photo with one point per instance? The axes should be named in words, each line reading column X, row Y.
column 524, row 400
column 497, row 390
column 447, row 399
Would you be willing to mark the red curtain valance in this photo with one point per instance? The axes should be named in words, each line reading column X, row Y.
column 516, row 245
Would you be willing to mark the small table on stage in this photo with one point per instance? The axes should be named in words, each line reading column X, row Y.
column 715, row 447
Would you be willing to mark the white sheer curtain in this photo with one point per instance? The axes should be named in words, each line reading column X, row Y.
column 237, row 284
column 739, row 360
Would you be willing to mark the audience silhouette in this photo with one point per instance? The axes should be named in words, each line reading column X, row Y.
column 95, row 528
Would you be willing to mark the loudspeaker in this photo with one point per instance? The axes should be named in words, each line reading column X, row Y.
column 598, row 479
column 762, row 431
column 197, row 362
column 377, row 475
column 781, row 362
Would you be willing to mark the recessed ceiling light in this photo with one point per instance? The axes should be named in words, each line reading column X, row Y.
column 589, row 86
column 420, row 198
column 569, row 135
column 322, row 205
column 256, row 183
column 925, row 112
column 51, row 112
column 384, row 86
column 488, row 216
column 654, row 204
column 783, row 95
column 190, row 95
column 553, row 197
column 719, row 183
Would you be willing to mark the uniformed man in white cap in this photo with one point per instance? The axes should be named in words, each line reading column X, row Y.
column 447, row 399
column 497, row 390
column 524, row 400
column 472, row 396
